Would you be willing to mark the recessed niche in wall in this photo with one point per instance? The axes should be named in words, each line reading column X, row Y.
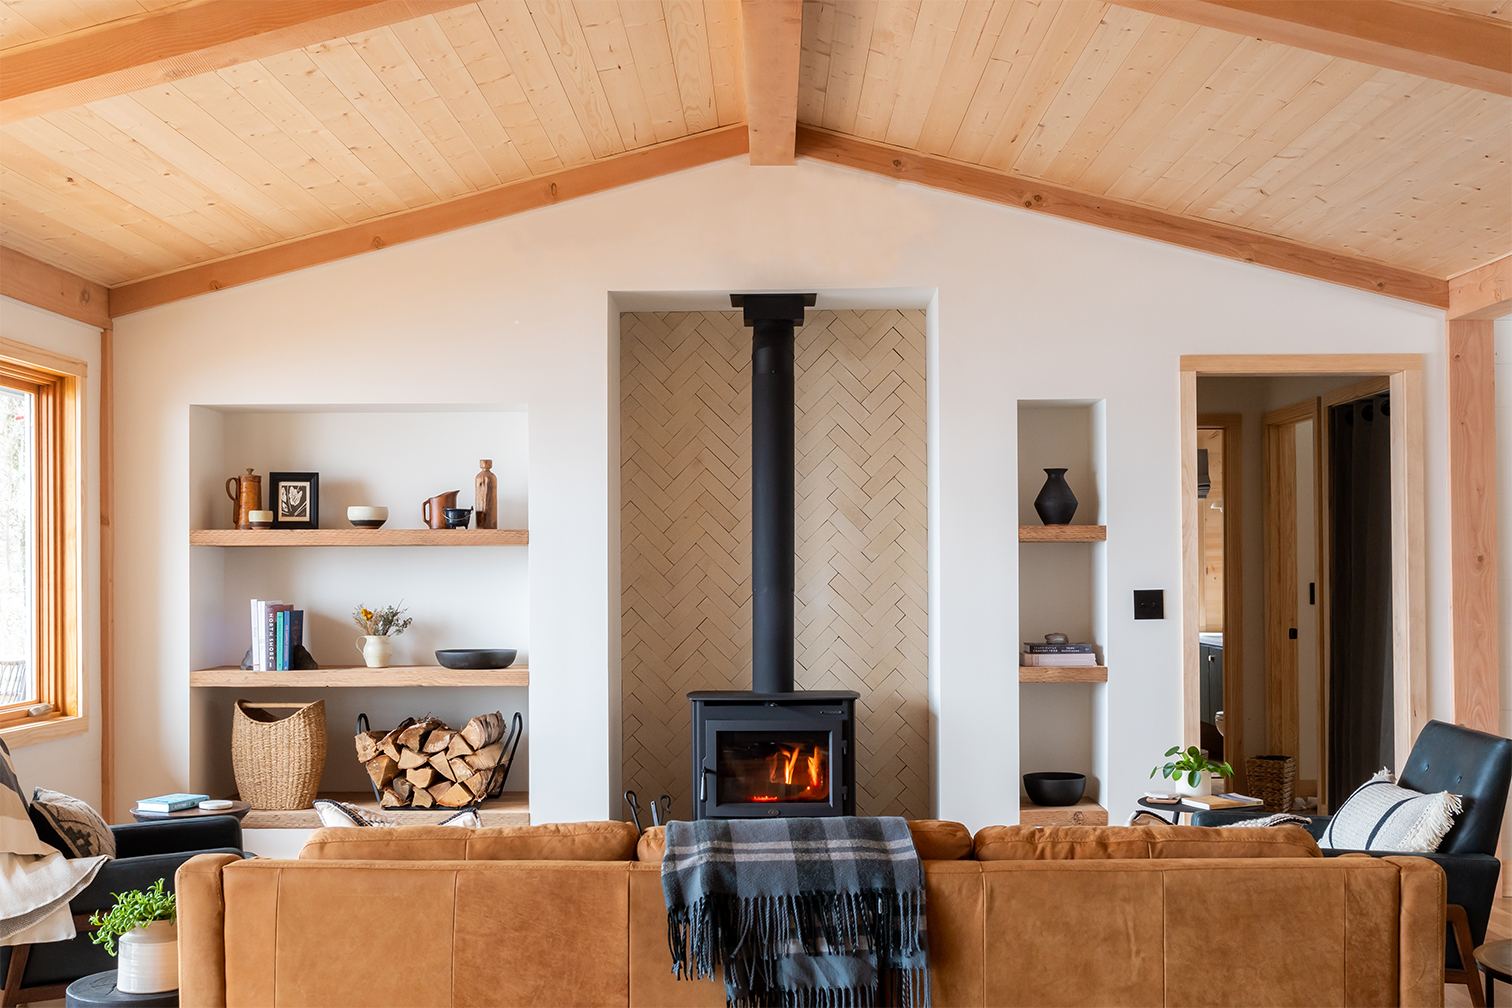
column 458, row 596
column 1062, row 589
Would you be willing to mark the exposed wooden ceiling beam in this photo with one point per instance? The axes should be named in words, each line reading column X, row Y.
column 1204, row 236
column 1484, row 293
column 182, row 41
column 52, row 289
column 544, row 190
column 1435, row 42
column 773, row 36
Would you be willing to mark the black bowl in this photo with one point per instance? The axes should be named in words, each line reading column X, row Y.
column 1053, row 789
column 476, row 658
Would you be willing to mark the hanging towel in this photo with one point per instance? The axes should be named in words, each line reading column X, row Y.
column 800, row 913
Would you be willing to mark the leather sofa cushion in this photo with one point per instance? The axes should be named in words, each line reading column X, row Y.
column 586, row 841
column 934, row 839
column 1068, row 843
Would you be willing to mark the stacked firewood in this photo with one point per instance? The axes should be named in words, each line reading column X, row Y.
column 424, row 763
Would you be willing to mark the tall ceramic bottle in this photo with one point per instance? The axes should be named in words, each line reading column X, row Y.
column 486, row 496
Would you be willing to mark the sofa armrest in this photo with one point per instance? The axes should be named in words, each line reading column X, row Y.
column 1470, row 882
column 202, row 927
column 1421, row 928
column 1228, row 817
column 174, row 836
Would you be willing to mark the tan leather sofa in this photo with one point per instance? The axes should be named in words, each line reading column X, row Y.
column 572, row 914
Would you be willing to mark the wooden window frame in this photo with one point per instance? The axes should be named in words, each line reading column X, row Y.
column 59, row 540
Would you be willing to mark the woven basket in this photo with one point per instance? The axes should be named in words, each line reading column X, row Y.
column 278, row 760
column 1272, row 779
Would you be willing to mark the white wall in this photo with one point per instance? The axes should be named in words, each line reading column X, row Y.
column 70, row 765
column 1026, row 307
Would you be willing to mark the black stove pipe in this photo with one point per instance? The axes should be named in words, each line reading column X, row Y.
column 772, row 317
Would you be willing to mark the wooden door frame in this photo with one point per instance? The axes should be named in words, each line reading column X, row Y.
column 1408, row 568
column 1232, row 425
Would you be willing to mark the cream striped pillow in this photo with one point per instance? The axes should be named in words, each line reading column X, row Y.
column 1380, row 816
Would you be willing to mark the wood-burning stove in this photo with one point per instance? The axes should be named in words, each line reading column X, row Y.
column 758, row 755
column 774, row 751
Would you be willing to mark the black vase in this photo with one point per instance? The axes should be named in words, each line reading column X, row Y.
column 1055, row 503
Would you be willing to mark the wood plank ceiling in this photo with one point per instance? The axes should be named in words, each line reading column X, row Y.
column 1205, row 124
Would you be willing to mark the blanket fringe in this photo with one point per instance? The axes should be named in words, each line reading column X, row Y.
column 721, row 930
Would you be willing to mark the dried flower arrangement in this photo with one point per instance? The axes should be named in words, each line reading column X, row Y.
column 385, row 622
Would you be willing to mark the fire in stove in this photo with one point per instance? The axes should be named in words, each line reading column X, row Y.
column 755, row 767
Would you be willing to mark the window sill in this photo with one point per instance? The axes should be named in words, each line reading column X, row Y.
column 44, row 731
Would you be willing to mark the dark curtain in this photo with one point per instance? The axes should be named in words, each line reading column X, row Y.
column 1361, row 736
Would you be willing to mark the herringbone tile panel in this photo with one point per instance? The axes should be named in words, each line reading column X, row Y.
column 862, row 563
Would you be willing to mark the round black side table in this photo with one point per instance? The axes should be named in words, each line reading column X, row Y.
column 1164, row 809
column 100, row 989
column 1495, row 960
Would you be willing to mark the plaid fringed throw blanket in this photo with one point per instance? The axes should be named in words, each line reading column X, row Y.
column 801, row 913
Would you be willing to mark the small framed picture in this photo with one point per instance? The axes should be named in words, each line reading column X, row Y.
column 294, row 499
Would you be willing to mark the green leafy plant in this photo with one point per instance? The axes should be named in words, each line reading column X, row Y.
column 386, row 622
column 133, row 910
column 1193, row 763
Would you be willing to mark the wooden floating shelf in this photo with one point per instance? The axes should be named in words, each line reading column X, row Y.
column 1063, row 533
column 359, row 537
column 512, row 808
column 1063, row 673
column 360, row 675
column 1084, row 813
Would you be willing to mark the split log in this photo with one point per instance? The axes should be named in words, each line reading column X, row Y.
column 381, row 770
column 478, row 784
column 458, row 770
column 398, row 793
column 438, row 789
column 439, row 740
column 421, row 777
column 421, row 798
column 459, row 747
column 387, row 743
column 486, row 758
column 409, row 759
column 456, row 796
column 441, row 763
column 413, row 737
column 367, row 745
column 485, row 729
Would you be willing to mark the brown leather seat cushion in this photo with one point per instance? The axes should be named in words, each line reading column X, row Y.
column 1067, row 843
column 934, row 839
column 586, row 841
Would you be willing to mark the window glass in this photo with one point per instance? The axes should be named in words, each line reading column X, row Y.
column 18, row 680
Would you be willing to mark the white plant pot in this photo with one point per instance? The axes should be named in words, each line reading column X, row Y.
column 1204, row 785
column 148, row 962
column 376, row 650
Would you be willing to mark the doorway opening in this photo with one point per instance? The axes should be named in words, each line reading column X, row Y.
column 1302, row 519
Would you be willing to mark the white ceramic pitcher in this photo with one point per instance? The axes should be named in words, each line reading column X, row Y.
column 376, row 650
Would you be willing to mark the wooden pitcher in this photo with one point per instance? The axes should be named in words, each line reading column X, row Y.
column 246, row 495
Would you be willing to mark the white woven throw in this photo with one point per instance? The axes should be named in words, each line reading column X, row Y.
column 36, row 881
column 1380, row 816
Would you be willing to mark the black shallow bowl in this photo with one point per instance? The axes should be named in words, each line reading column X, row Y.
column 476, row 658
column 1053, row 789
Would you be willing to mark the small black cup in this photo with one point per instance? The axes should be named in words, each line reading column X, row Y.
column 457, row 517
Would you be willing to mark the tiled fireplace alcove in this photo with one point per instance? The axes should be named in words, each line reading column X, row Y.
column 862, row 553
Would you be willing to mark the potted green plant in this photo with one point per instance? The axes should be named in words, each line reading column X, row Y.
column 1192, row 772
column 146, row 923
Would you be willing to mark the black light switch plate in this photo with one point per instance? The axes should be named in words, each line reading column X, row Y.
column 1149, row 604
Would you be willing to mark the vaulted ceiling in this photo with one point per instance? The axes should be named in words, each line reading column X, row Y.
column 143, row 139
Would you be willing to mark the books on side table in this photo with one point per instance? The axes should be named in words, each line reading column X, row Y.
column 1220, row 801
column 171, row 802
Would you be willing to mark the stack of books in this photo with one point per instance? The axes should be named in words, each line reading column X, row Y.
column 170, row 802
column 277, row 630
column 1057, row 655
column 1220, row 801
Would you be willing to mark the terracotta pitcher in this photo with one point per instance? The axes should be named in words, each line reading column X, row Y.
column 246, row 495
column 433, row 511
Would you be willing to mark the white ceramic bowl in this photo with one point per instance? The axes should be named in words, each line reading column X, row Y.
column 367, row 517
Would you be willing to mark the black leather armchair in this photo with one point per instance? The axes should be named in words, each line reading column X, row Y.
column 145, row 852
column 1476, row 766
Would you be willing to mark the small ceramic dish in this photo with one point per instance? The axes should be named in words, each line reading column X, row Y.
column 364, row 516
